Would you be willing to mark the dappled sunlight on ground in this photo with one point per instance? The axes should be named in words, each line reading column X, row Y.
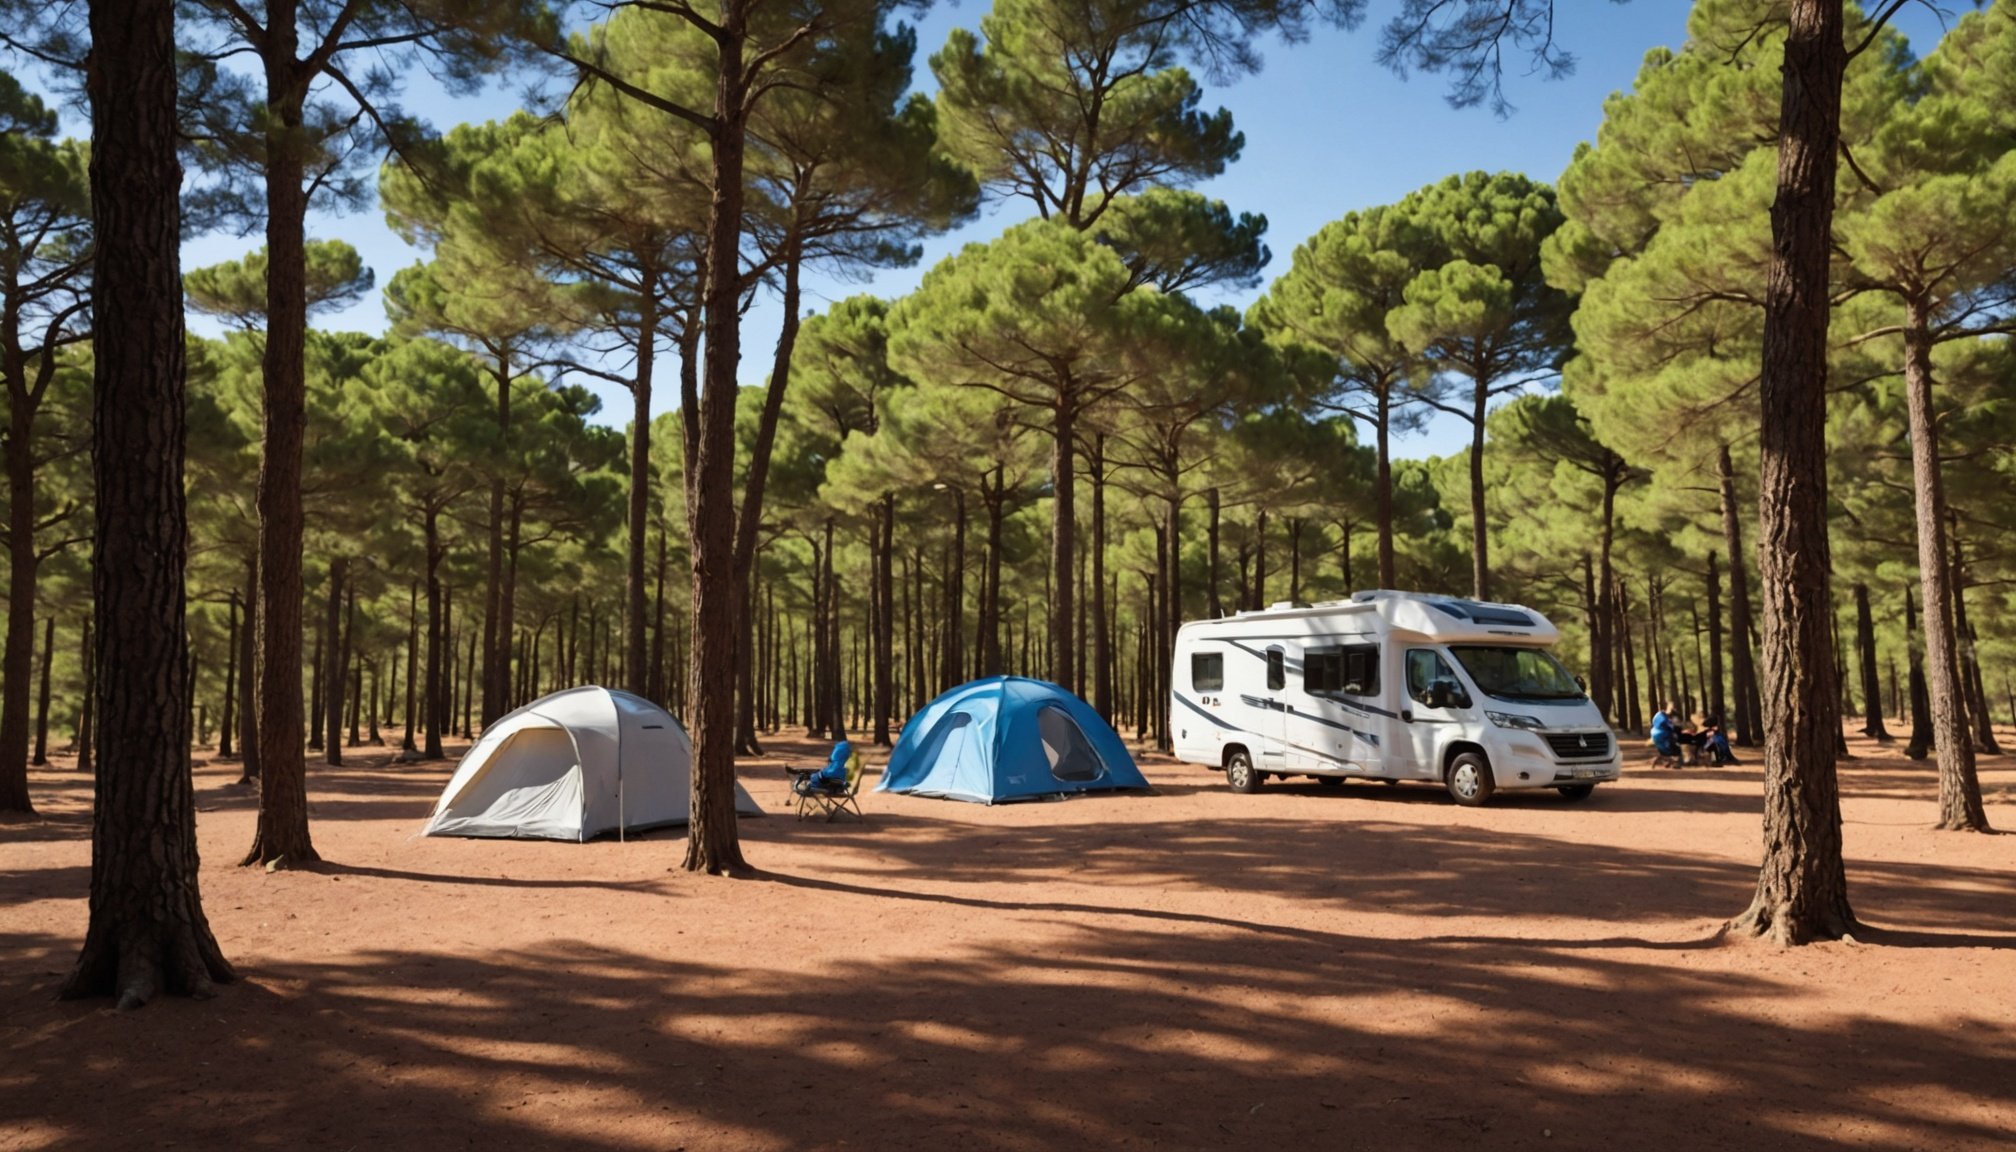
column 1192, row 969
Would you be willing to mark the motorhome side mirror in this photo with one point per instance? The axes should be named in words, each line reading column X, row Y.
column 1582, row 684
column 1441, row 694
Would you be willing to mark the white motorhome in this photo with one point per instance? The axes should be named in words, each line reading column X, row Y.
column 1388, row 686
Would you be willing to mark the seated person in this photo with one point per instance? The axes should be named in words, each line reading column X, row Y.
column 1715, row 740
column 831, row 778
column 1672, row 742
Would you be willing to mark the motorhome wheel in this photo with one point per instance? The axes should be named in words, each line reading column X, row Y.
column 1470, row 780
column 1239, row 773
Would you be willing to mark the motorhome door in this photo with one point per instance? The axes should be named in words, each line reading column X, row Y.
column 1272, row 711
column 1425, row 728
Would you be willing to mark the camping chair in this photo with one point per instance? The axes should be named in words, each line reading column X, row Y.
column 832, row 801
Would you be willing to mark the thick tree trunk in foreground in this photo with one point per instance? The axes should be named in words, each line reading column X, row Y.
column 283, row 780
column 1959, row 790
column 1865, row 657
column 147, row 930
column 713, row 842
column 1802, row 887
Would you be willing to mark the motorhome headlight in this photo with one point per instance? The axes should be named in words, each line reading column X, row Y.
column 1515, row 720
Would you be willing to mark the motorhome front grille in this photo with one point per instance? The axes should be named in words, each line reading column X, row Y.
column 1579, row 745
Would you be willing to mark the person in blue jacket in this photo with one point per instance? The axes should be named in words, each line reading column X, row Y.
column 1669, row 739
column 833, row 777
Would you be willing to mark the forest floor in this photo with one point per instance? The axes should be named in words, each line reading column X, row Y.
column 1304, row 968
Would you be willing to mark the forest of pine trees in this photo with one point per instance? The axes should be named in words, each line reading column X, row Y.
column 1056, row 448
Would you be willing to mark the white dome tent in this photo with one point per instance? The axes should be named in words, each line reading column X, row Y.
column 572, row 766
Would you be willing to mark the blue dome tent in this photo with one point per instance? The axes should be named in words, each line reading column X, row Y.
column 1008, row 738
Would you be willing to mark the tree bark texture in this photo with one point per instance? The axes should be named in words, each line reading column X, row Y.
column 146, row 931
column 282, row 832
column 1802, row 886
column 713, row 841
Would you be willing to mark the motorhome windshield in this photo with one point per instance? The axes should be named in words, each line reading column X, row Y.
column 1511, row 673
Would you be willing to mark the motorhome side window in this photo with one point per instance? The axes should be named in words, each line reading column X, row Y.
column 1352, row 669
column 1277, row 670
column 1207, row 671
column 1425, row 667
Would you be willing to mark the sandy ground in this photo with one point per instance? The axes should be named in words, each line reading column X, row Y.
column 1306, row 968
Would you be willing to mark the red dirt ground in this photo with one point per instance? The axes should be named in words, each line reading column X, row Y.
column 1306, row 968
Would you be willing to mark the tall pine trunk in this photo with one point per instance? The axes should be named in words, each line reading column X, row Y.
column 1742, row 666
column 1063, row 539
column 433, row 713
column 146, row 930
column 87, row 725
column 41, row 756
column 1959, row 790
column 713, row 842
column 282, row 832
column 1480, row 536
column 17, row 665
column 1102, row 646
column 1802, row 885
column 1213, row 512
column 332, row 701
column 1382, row 428
column 885, row 624
column 1865, row 658
column 248, row 642
column 1970, row 665
column 954, row 648
column 226, row 730
column 1716, row 701
column 635, row 590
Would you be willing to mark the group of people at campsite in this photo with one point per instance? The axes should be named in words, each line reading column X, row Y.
column 1681, row 740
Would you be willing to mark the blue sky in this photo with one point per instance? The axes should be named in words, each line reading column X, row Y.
column 1327, row 131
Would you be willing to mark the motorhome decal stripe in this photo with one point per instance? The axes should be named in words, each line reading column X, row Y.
column 1192, row 705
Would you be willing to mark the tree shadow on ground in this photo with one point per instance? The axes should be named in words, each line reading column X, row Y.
column 1114, row 1031
column 1450, row 870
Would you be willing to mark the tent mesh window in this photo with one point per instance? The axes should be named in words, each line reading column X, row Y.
column 1071, row 755
column 934, row 744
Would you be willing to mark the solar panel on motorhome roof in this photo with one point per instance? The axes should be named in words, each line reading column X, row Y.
column 1487, row 614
